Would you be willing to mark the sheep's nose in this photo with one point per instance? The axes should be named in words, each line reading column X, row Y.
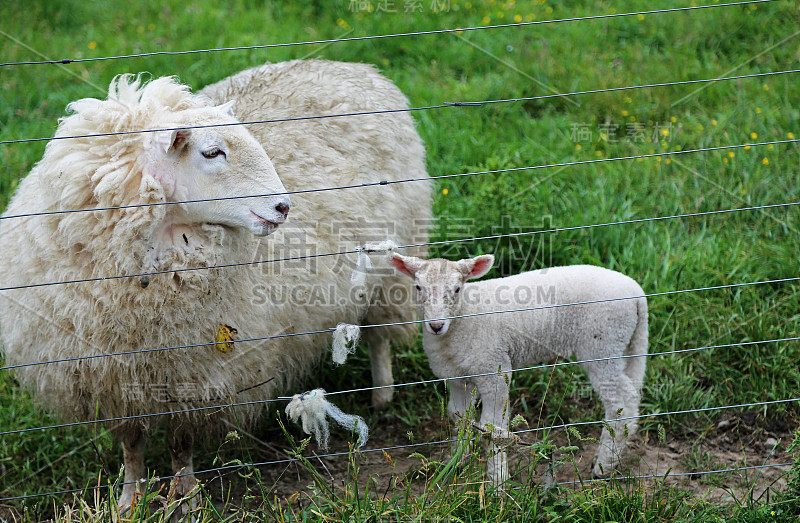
column 436, row 326
column 283, row 208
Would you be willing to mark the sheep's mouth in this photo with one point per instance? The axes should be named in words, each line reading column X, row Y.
column 266, row 222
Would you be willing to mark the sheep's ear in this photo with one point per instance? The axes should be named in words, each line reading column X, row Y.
column 170, row 141
column 406, row 264
column 227, row 108
column 476, row 267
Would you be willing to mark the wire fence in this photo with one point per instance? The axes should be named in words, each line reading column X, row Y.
column 231, row 404
column 381, row 37
column 364, row 113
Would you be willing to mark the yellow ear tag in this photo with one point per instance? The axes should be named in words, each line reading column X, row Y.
column 225, row 334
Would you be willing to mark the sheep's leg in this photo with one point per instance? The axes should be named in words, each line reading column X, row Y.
column 381, row 358
column 133, row 442
column 617, row 393
column 494, row 416
column 181, row 446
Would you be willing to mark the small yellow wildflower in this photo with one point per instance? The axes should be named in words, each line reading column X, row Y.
column 640, row 16
column 700, row 127
column 598, row 153
column 548, row 10
column 765, row 161
column 713, row 122
column 724, row 160
column 668, row 161
column 627, row 100
column 578, row 147
column 518, row 18
column 753, row 135
column 625, row 113
column 790, row 136
column 632, row 118
column 501, row 14
column 445, row 191
column 612, row 11
column 485, row 20
column 758, row 110
column 658, row 158
column 92, row 45
column 766, row 87
column 665, row 132
column 746, row 147
column 731, row 154
column 770, row 147
column 673, row 119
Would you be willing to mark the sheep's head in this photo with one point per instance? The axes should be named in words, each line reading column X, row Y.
column 439, row 285
column 215, row 164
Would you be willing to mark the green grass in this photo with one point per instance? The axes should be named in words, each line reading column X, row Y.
column 493, row 64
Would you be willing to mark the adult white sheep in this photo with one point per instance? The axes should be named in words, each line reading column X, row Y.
column 183, row 306
column 497, row 343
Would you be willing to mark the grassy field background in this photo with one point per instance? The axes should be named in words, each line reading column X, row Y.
column 512, row 62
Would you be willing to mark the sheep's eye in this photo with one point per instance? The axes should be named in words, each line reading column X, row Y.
column 213, row 153
column 418, row 287
column 458, row 289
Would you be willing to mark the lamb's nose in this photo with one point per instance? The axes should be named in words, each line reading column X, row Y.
column 436, row 326
column 283, row 208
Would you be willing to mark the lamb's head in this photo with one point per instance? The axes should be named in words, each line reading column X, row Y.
column 439, row 285
column 219, row 165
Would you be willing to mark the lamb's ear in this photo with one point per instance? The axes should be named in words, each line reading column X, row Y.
column 476, row 267
column 408, row 265
column 170, row 141
column 227, row 108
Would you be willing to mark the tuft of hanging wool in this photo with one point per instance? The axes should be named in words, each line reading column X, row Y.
column 345, row 339
column 312, row 409
column 364, row 264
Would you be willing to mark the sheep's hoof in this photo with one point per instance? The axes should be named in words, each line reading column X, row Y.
column 381, row 398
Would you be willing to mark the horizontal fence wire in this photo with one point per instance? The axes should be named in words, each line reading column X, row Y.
column 478, row 103
column 385, row 36
column 353, row 251
column 394, row 324
column 410, row 180
column 668, row 475
column 280, row 399
column 239, row 466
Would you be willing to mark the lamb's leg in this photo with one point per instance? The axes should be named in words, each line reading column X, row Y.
column 181, row 447
column 381, row 358
column 494, row 415
column 133, row 441
column 462, row 399
column 615, row 389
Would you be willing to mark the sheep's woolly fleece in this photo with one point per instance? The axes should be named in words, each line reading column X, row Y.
column 312, row 410
column 187, row 307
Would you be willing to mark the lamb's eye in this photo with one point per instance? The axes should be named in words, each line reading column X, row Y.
column 458, row 289
column 418, row 287
column 213, row 153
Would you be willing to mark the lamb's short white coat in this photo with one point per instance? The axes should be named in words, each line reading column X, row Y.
column 498, row 343
column 183, row 306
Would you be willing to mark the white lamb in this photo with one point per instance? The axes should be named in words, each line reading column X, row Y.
column 184, row 306
column 498, row 343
